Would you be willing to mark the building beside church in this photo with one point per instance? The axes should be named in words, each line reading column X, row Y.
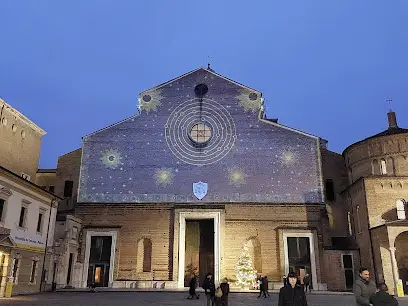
column 376, row 202
column 27, row 212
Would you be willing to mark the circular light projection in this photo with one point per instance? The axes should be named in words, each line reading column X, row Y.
column 14, row 128
column 23, row 134
column 200, row 132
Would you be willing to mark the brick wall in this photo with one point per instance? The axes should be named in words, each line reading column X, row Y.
column 21, row 144
column 382, row 194
column 333, row 269
column 359, row 157
column 68, row 170
column 46, row 179
column 239, row 224
column 334, row 168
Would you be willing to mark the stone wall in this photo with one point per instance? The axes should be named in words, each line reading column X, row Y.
column 21, row 142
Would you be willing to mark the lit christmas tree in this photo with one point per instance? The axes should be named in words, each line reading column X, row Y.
column 245, row 272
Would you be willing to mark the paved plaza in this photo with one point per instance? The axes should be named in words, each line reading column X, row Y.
column 163, row 298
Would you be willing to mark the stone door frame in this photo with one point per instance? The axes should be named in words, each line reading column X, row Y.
column 89, row 235
column 194, row 215
column 313, row 254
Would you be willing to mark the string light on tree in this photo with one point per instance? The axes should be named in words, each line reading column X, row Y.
column 245, row 273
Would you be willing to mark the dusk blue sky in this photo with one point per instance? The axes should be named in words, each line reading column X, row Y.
column 324, row 67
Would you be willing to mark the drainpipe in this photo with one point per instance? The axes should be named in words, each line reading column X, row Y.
column 372, row 257
column 46, row 245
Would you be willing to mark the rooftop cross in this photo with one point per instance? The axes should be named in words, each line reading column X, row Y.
column 389, row 100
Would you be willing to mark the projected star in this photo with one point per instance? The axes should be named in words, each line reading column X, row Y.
column 288, row 157
column 236, row 177
column 150, row 101
column 164, row 177
column 111, row 158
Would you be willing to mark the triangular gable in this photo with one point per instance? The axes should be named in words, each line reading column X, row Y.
column 204, row 69
column 7, row 241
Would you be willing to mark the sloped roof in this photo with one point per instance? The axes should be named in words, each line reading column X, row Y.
column 204, row 69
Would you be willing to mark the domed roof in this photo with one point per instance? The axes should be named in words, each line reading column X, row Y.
column 393, row 129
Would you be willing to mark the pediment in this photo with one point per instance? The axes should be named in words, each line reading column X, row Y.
column 7, row 241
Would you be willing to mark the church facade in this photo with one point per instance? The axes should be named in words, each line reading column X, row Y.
column 196, row 176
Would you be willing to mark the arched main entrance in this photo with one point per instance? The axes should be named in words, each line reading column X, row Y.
column 401, row 255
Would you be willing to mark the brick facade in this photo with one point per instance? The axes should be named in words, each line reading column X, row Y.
column 21, row 142
column 239, row 224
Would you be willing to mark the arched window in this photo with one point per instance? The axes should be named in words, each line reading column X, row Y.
column 383, row 167
column 254, row 248
column 375, row 166
column 390, row 165
column 401, row 209
column 147, row 255
column 144, row 255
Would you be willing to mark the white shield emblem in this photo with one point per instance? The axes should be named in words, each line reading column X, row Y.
column 200, row 189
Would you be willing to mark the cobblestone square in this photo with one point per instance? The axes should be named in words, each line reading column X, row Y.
column 163, row 298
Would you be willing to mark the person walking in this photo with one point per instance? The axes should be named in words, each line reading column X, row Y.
column 209, row 289
column 292, row 294
column 265, row 285
column 306, row 282
column 260, row 285
column 225, row 288
column 364, row 288
column 192, row 291
column 383, row 298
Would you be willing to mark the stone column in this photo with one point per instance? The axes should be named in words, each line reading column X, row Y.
column 394, row 267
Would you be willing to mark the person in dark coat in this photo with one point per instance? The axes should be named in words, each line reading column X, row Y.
column 261, row 285
column 383, row 298
column 306, row 282
column 225, row 291
column 364, row 288
column 292, row 294
column 265, row 285
column 192, row 291
column 209, row 289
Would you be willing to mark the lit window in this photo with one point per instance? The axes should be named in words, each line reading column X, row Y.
column 401, row 209
column 383, row 167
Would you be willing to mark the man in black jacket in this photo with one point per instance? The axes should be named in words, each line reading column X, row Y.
column 292, row 294
column 209, row 289
column 383, row 298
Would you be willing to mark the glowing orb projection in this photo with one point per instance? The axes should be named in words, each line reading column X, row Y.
column 111, row 158
column 150, row 101
column 236, row 177
column 288, row 157
column 250, row 101
column 200, row 132
column 164, row 177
